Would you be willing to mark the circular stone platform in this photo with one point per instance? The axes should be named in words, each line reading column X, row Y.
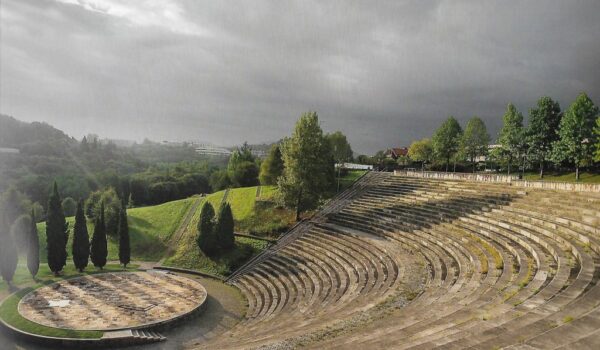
column 112, row 301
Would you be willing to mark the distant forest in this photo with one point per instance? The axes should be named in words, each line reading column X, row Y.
column 144, row 173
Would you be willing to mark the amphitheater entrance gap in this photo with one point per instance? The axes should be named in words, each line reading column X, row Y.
column 114, row 301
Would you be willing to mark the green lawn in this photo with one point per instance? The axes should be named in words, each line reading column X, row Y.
column 242, row 202
column 565, row 177
column 22, row 280
column 187, row 254
column 190, row 257
column 268, row 192
column 159, row 220
column 149, row 229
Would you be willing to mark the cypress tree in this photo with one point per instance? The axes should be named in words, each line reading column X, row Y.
column 56, row 233
column 81, row 239
column 8, row 251
column 99, row 251
column 33, row 248
column 206, row 231
column 224, row 228
column 124, row 246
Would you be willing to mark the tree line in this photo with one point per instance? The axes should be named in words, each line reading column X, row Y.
column 83, row 250
column 150, row 172
column 302, row 167
column 568, row 139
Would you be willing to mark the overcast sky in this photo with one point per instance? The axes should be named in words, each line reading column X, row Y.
column 384, row 73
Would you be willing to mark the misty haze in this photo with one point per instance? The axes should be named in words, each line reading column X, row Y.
column 177, row 174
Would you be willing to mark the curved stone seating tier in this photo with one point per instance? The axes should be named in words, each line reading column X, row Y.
column 485, row 265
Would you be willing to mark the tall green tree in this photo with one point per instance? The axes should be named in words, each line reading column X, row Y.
column 99, row 249
column 81, row 239
column 20, row 232
column 577, row 141
column 340, row 147
column 421, row 151
column 56, row 233
column 220, row 180
column 245, row 174
column 475, row 140
column 13, row 205
column 446, row 140
column 124, row 243
column 512, row 135
column 112, row 208
column 308, row 165
column 239, row 155
column 206, row 240
column 33, row 247
column 272, row 168
column 542, row 130
column 224, row 228
column 69, row 206
column 8, row 250
column 242, row 167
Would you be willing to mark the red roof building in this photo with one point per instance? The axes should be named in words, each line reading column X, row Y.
column 396, row 152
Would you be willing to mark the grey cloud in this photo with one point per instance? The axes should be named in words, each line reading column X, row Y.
column 384, row 73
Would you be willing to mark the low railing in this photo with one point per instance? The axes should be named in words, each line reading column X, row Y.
column 511, row 180
column 561, row 186
column 458, row 176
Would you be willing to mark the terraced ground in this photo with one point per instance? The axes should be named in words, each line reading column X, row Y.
column 410, row 263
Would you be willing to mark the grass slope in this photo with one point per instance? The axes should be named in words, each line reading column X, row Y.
column 188, row 255
column 149, row 228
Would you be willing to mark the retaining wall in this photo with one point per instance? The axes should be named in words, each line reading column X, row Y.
column 511, row 180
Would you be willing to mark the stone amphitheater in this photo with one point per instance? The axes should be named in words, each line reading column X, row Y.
column 402, row 262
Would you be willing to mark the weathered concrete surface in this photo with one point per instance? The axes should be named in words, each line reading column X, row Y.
column 113, row 301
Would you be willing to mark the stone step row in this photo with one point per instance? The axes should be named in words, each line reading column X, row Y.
column 503, row 266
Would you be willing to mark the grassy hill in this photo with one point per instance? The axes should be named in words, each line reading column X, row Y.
column 152, row 228
column 247, row 208
column 149, row 229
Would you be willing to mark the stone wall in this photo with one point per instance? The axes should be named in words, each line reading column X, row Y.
column 562, row 186
column 458, row 176
column 511, row 180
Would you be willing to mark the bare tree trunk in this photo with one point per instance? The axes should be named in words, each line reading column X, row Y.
column 542, row 169
column 447, row 163
column 298, row 206
column 577, row 172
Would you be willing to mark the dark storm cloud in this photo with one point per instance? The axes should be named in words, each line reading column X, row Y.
column 222, row 72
